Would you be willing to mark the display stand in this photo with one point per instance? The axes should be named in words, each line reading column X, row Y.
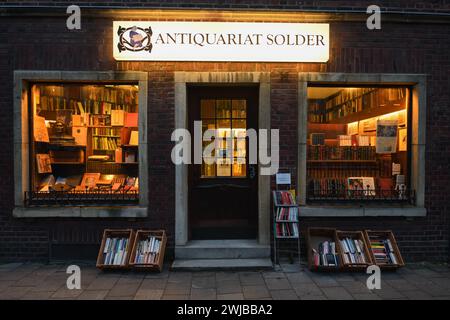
column 118, row 247
column 285, row 215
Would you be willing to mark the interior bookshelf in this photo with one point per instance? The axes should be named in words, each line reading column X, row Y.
column 384, row 249
column 85, row 134
column 345, row 152
column 148, row 250
column 115, row 249
column 323, row 252
column 285, row 219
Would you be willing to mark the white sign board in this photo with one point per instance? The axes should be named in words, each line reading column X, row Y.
column 220, row 41
column 283, row 178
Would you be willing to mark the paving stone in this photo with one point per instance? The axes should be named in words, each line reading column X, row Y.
column 42, row 295
column 14, row 293
column 255, row 292
column 278, row 284
column 325, row 280
column 93, row 295
column 313, row 297
column 175, row 297
column 124, row 288
column 103, row 283
column 300, row 277
column 119, row 298
column 4, row 284
column 202, row 274
column 399, row 284
column 230, row 296
column 355, row 287
column 283, row 294
column 227, row 276
column 178, row 277
column 304, row 290
column 337, row 293
column 148, row 294
column 435, row 290
column 177, row 289
column 389, row 293
column 6, row 267
column 365, row 296
column 417, row 295
column 206, row 282
column 63, row 293
column 227, row 287
column 203, row 294
column 251, row 279
column 291, row 267
column 153, row 284
column 273, row 274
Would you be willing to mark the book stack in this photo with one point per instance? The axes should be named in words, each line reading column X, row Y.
column 115, row 251
column 341, row 153
column 345, row 140
column 284, row 197
column 353, row 251
column 317, row 139
column 147, row 251
column 287, row 213
column 326, row 255
column 382, row 250
column 287, row 230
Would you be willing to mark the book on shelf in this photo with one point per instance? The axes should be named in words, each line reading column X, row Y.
column 341, row 153
column 43, row 163
column 284, row 198
column 148, row 250
column 345, row 140
column 104, row 143
column 361, row 185
column 118, row 155
column 99, row 157
column 353, row 251
column 115, row 251
column 284, row 229
column 326, row 254
column 90, row 180
column 382, row 250
column 134, row 138
column 40, row 131
column 287, row 214
column 317, row 139
column 80, row 135
column 131, row 120
column 117, row 117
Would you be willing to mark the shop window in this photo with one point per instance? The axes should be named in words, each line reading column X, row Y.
column 358, row 144
column 85, row 141
column 228, row 120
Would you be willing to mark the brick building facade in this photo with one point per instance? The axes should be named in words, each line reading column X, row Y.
column 414, row 39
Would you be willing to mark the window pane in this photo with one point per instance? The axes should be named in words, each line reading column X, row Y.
column 224, row 167
column 85, row 138
column 208, row 109
column 357, row 143
column 239, row 167
column 239, row 108
column 223, row 108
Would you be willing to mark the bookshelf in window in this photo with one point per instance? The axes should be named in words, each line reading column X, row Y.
column 323, row 250
column 115, row 249
column 148, row 250
column 383, row 249
column 353, row 249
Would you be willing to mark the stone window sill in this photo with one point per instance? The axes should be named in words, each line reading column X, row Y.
column 352, row 211
column 81, row 212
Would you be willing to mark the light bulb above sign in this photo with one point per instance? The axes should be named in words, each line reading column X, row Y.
column 221, row 41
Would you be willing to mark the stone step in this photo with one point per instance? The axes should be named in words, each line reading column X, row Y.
column 222, row 249
column 221, row 264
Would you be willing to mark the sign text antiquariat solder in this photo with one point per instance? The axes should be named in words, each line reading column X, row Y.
column 221, row 41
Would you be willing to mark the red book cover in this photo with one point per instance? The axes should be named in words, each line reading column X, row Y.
column 132, row 120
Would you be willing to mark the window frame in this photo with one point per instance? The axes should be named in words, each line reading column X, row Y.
column 23, row 80
column 417, row 126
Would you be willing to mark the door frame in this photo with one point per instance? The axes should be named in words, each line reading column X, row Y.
column 182, row 80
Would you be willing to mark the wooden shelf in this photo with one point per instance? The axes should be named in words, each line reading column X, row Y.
column 386, row 235
column 115, row 233
column 369, row 113
column 142, row 235
column 314, row 236
column 67, row 163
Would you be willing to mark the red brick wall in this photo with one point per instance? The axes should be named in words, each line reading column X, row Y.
column 45, row 44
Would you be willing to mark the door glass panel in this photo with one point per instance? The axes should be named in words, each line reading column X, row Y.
column 226, row 117
column 223, row 109
column 208, row 109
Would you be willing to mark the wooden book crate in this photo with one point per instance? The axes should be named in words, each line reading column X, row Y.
column 115, row 233
column 386, row 234
column 354, row 235
column 159, row 260
column 315, row 236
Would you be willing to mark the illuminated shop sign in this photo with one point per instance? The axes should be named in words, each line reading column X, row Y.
column 221, row 41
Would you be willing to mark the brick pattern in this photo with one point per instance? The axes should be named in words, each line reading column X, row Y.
column 45, row 44
column 348, row 5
